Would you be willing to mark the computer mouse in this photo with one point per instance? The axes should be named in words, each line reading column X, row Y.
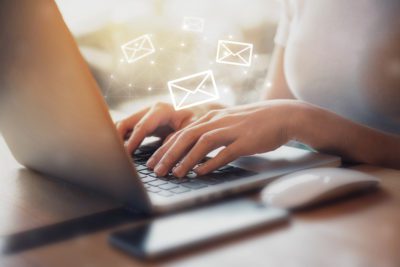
column 311, row 186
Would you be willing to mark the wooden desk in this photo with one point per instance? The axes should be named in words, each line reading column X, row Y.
column 362, row 231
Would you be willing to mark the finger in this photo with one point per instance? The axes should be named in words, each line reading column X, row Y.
column 142, row 129
column 172, row 152
column 180, row 125
column 159, row 153
column 207, row 143
column 174, row 149
column 127, row 124
column 196, row 126
column 225, row 156
column 168, row 142
column 166, row 139
column 172, row 137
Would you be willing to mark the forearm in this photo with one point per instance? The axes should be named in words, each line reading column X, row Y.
column 328, row 132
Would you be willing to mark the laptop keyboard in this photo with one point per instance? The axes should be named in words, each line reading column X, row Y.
column 169, row 185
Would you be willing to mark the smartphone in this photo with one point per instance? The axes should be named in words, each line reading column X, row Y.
column 174, row 233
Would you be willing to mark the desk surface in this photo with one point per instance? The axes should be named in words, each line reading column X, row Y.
column 363, row 231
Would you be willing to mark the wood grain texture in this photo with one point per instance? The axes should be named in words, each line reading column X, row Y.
column 358, row 231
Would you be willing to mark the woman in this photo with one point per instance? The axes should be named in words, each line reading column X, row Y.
column 333, row 84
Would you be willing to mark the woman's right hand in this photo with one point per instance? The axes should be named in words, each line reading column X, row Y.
column 159, row 120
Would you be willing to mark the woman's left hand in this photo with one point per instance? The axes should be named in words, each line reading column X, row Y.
column 243, row 130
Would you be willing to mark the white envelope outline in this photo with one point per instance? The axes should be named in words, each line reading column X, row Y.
column 137, row 48
column 238, row 58
column 193, row 24
column 174, row 89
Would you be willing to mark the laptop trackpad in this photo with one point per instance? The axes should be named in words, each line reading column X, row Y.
column 284, row 158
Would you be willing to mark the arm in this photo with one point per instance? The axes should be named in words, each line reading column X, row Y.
column 361, row 144
column 331, row 133
column 328, row 132
column 266, row 125
column 257, row 128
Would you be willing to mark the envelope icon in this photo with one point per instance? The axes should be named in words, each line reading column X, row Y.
column 193, row 90
column 138, row 48
column 234, row 53
column 193, row 24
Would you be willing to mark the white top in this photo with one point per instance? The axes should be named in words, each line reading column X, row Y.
column 345, row 56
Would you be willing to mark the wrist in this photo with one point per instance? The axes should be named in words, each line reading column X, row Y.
column 297, row 119
column 323, row 131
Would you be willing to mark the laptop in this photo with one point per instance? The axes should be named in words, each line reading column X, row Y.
column 55, row 121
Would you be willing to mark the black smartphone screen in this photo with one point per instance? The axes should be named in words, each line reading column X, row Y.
column 171, row 234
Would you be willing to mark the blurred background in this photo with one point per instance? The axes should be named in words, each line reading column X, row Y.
column 102, row 26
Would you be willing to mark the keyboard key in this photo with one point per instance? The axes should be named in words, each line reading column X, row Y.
column 194, row 185
column 165, row 178
column 141, row 175
column 145, row 171
column 138, row 155
column 153, row 189
column 226, row 168
column 149, row 148
column 137, row 152
column 168, row 186
column 179, row 180
column 165, row 194
column 139, row 158
column 146, row 153
column 231, row 176
column 217, row 176
column 140, row 167
column 180, row 190
column 157, row 182
column 191, row 175
column 148, row 179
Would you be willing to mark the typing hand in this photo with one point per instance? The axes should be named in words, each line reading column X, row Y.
column 241, row 131
column 159, row 120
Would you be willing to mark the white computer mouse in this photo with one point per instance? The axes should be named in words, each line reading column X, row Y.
column 308, row 187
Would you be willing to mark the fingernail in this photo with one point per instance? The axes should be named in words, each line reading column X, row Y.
column 150, row 163
column 160, row 169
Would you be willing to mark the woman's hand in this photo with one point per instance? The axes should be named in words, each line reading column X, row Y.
column 241, row 131
column 159, row 120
